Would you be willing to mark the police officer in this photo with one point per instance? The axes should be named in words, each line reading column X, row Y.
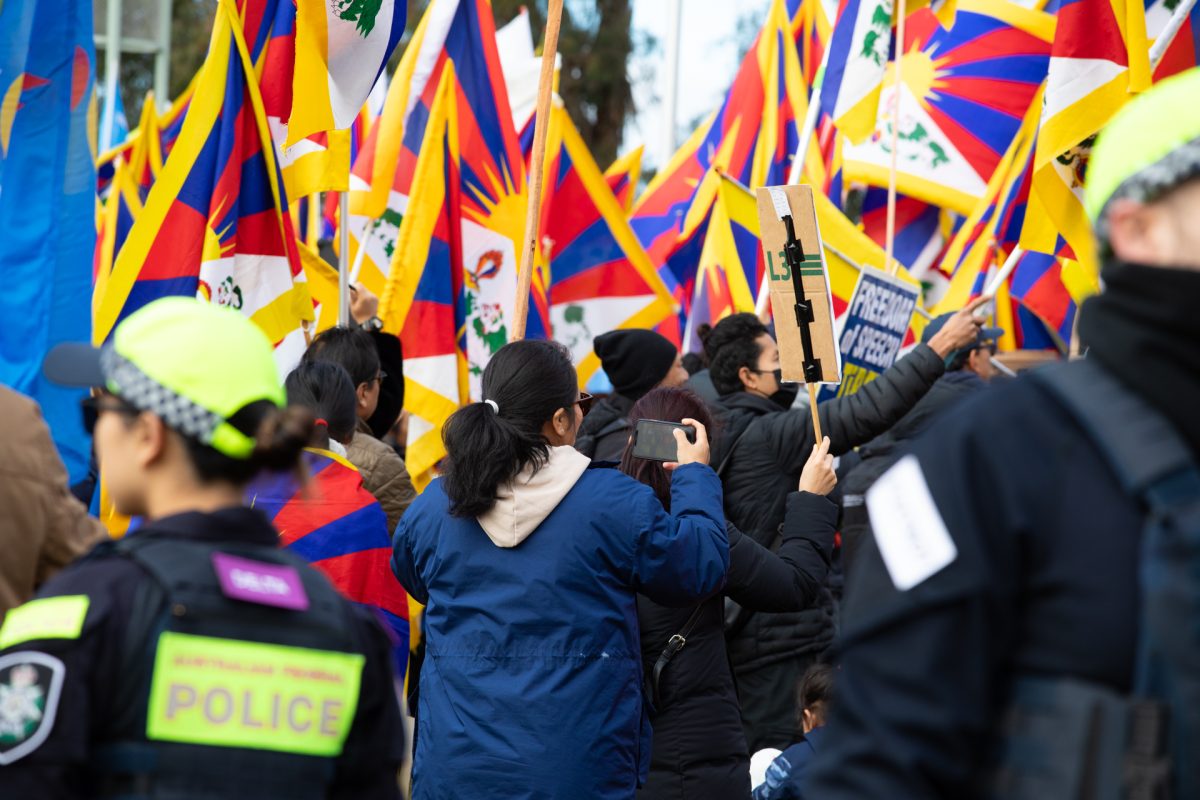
column 194, row 658
column 1024, row 623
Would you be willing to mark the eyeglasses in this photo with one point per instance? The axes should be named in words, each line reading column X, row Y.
column 584, row 402
column 93, row 406
column 989, row 346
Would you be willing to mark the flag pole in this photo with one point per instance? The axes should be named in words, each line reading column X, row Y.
column 344, row 260
column 1159, row 48
column 894, row 266
column 537, row 167
column 112, row 71
column 670, row 102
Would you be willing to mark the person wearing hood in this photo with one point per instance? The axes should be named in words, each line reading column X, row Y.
column 1023, row 621
column 529, row 560
column 762, row 450
column 636, row 361
column 968, row 370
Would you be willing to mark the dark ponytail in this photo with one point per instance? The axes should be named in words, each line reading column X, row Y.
column 529, row 381
column 280, row 436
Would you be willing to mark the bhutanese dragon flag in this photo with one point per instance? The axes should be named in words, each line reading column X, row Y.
column 342, row 47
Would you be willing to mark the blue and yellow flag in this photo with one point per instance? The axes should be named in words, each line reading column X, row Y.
column 47, row 200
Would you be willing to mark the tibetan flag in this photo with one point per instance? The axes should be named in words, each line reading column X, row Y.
column 1037, row 284
column 342, row 47
column 977, row 247
column 623, row 176
column 322, row 278
column 919, row 235
column 315, row 163
column 462, row 33
column 215, row 223
column 600, row 277
column 425, row 296
column 860, row 47
column 964, row 93
column 340, row 528
column 731, row 267
column 1100, row 59
column 47, row 201
column 752, row 138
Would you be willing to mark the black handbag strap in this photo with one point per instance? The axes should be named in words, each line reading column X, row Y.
column 674, row 645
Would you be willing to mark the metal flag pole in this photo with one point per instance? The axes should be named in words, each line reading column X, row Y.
column 670, row 99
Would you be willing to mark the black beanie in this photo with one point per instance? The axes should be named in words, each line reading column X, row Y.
column 635, row 360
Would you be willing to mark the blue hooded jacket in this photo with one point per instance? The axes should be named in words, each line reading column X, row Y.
column 532, row 680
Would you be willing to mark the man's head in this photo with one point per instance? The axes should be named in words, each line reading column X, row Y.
column 977, row 357
column 743, row 356
column 354, row 351
column 1143, row 181
column 637, row 360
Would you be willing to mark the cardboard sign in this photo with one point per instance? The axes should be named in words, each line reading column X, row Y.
column 873, row 329
column 773, row 204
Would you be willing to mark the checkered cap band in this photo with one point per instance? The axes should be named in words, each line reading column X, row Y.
column 146, row 394
column 1151, row 183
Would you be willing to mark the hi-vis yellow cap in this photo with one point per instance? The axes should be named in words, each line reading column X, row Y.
column 1151, row 146
column 192, row 363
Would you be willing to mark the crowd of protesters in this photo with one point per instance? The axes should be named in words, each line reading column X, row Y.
column 967, row 588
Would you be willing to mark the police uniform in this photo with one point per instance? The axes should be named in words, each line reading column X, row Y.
column 196, row 659
column 1024, row 622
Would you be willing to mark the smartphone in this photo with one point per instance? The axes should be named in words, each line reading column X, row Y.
column 654, row 440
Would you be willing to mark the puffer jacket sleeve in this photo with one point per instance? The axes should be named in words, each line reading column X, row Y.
column 392, row 487
column 682, row 556
column 791, row 578
column 860, row 417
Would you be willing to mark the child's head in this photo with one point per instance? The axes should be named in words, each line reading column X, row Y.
column 813, row 696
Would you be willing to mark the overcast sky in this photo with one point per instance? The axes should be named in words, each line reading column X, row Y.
column 708, row 59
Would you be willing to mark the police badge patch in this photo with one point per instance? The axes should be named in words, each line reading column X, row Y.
column 30, row 687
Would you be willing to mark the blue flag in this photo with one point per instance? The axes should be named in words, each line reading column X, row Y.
column 47, row 202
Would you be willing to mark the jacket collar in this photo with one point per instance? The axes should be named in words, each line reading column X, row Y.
column 749, row 403
column 234, row 524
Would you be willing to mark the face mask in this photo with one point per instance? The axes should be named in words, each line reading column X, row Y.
column 786, row 396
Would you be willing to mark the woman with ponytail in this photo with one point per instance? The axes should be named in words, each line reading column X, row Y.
column 529, row 562
column 182, row 660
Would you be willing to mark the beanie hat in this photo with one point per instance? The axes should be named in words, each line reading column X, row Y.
column 635, row 360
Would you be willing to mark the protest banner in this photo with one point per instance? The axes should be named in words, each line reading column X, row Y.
column 873, row 329
column 799, row 283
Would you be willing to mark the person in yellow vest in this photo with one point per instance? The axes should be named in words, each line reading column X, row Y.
column 194, row 658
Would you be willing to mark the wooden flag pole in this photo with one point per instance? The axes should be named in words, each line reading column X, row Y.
column 537, row 167
column 894, row 266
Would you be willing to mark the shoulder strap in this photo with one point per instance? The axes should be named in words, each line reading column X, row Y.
column 1152, row 462
column 1141, row 447
column 674, row 645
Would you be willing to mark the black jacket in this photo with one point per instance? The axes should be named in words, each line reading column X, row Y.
column 767, row 448
column 1044, row 581
column 606, row 429
column 881, row 452
column 699, row 747
column 95, row 707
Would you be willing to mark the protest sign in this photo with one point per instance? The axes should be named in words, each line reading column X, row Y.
column 873, row 329
column 774, row 203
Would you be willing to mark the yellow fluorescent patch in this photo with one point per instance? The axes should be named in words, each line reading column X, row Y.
column 47, row 618
column 230, row 693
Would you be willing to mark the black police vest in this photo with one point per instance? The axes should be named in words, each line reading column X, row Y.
column 1067, row 738
column 184, row 600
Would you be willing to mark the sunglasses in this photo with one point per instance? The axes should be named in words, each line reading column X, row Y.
column 93, row 406
column 584, row 402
